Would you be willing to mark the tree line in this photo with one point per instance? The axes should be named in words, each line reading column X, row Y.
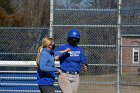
column 24, row 13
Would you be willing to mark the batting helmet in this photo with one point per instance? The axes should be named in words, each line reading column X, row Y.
column 74, row 33
column 73, row 37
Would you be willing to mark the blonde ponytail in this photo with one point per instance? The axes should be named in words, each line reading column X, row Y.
column 38, row 55
column 44, row 44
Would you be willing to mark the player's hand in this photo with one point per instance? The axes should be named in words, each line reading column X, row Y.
column 85, row 67
column 56, row 58
column 61, row 76
column 59, row 71
column 67, row 50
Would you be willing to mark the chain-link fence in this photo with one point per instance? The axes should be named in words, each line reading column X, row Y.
column 109, row 34
column 98, row 28
column 18, row 50
column 111, row 38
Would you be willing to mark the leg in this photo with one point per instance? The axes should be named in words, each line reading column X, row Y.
column 75, row 83
column 46, row 89
column 64, row 83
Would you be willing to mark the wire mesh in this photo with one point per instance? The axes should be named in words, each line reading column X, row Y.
column 97, row 21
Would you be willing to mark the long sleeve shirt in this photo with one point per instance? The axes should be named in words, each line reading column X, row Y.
column 47, row 70
column 73, row 60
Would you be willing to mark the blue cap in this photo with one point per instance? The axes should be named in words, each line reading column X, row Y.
column 74, row 33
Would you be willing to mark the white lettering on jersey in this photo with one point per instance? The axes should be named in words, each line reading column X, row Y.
column 74, row 53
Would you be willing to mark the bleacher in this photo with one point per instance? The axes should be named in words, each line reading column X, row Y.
column 19, row 80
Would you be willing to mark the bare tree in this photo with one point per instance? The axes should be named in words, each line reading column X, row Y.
column 36, row 12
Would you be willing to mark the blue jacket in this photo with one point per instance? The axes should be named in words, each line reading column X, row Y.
column 72, row 60
column 47, row 72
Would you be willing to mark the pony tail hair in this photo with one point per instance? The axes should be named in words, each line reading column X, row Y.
column 38, row 55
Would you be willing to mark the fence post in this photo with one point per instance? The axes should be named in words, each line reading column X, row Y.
column 119, row 46
column 51, row 18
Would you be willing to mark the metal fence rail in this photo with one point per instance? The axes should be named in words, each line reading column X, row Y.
column 109, row 34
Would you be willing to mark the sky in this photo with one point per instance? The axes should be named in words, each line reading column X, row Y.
column 75, row 3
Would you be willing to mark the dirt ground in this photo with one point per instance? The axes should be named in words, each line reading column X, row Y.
column 88, row 88
column 95, row 84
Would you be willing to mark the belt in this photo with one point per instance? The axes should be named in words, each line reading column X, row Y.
column 73, row 73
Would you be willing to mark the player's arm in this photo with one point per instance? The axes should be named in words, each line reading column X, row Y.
column 64, row 51
column 83, row 61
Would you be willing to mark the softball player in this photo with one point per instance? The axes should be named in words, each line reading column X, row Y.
column 71, row 63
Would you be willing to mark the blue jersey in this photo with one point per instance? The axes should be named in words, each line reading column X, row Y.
column 47, row 71
column 72, row 60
